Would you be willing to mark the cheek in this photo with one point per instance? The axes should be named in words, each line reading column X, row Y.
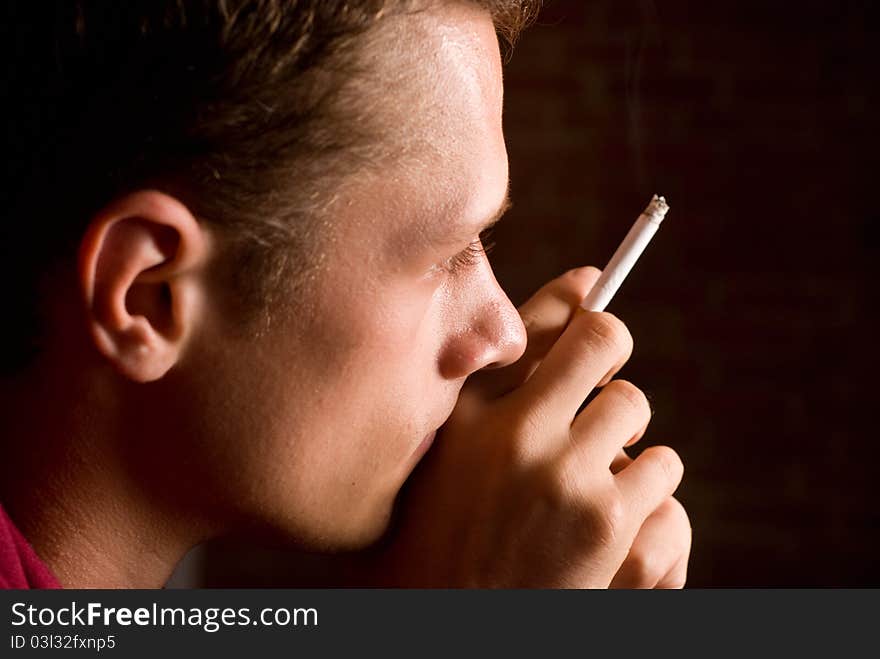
column 371, row 365
column 390, row 365
column 317, row 421
column 383, row 327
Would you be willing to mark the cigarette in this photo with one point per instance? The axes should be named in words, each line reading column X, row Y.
column 643, row 229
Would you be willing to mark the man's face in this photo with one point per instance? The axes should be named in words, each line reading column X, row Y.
column 313, row 426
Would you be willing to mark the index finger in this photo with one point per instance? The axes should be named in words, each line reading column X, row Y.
column 544, row 316
column 593, row 347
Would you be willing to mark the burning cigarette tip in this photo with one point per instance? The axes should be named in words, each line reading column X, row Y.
column 656, row 209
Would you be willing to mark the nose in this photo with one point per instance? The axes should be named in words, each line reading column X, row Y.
column 490, row 334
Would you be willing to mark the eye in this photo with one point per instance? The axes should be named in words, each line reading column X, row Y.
column 471, row 254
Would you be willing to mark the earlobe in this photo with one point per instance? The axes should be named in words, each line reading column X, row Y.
column 140, row 272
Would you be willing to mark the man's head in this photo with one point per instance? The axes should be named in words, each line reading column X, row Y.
column 264, row 218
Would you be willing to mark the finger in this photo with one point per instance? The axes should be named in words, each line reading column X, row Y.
column 658, row 556
column 610, row 374
column 676, row 578
column 592, row 346
column 621, row 461
column 616, row 417
column 650, row 479
column 544, row 316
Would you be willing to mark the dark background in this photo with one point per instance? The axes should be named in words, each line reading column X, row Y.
column 753, row 310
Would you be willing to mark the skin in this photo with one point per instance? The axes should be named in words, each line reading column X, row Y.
column 183, row 428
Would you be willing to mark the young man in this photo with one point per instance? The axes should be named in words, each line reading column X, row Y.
column 250, row 295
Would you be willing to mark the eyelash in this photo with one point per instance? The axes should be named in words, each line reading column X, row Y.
column 471, row 254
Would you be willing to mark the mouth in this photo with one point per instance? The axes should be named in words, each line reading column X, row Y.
column 424, row 445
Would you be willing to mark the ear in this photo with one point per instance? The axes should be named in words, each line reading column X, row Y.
column 140, row 266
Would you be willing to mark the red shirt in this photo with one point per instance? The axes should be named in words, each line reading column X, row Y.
column 20, row 567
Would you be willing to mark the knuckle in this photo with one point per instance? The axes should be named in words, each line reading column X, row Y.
column 676, row 510
column 632, row 396
column 676, row 526
column 559, row 493
column 595, row 518
column 529, row 317
column 645, row 568
column 681, row 521
column 604, row 520
column 580, row 278
column 663, row 563
column 614, row 511
column 667, row 461
column 572, row 286
column 609, row 333
column 581, row 272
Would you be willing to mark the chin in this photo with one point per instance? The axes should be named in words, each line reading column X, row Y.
column 339, row 532
column 367, row 530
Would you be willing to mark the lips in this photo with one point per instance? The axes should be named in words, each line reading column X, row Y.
column 428, row 440
column 424, row 445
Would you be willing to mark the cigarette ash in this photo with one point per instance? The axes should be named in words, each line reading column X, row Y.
column 656, row 210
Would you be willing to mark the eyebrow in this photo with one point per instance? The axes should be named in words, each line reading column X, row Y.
column 462, row 232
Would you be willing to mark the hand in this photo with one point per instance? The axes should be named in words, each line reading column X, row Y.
column 518, row 489
column 659, row 555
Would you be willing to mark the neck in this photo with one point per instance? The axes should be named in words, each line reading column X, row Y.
column 65, row 485
column 91, row 538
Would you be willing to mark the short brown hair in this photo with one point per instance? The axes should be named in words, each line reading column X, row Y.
column 230, row 104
